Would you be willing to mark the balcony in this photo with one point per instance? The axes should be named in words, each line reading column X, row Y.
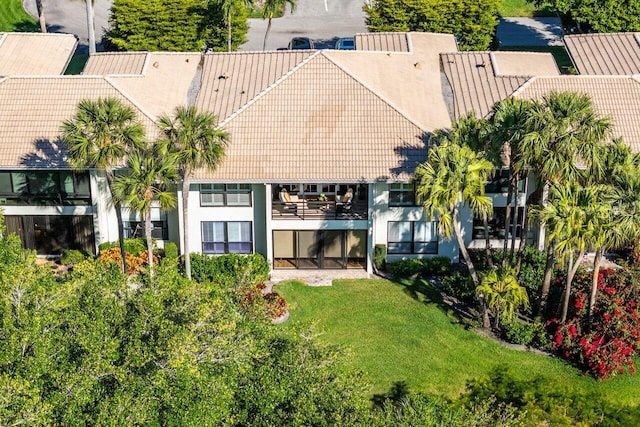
column 316, row 202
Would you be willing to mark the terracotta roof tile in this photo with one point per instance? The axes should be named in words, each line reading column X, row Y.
column 384, row 42
column 35, row 53
column 319, row 124
column 613, row 96
column 605, row 54
column 480, row 79
column 102, row 64
column 32, row 110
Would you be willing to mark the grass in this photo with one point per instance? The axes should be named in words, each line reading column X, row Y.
column 522, row 8
column 402, row 332
column 14, row 18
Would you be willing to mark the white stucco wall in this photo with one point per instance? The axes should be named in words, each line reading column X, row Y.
column 382, row 214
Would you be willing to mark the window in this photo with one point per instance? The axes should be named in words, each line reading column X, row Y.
column 496, row 224
column 45, row 187
column 220, row 237
column 225, row 195
column 135, row 229
column 412, row 237
column 499, row 183
column 402, row 194
column 52, row 234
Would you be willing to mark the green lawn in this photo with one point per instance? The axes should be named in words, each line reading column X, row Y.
column 397, row 332
column 14, row 18
column 522, row 8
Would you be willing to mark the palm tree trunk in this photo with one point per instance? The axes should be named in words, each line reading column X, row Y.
column 487, row 244
column 147, row 232
column 185, row 223
column 567, row 288
column 266, row 34
column 594, row 283
column 229, row 32
column 90, row 26
column 118, row 208
column 514, row 228
column 507, row 220
column 463, row 249
column 524, row 229
column 41, row 18
column 548, row 274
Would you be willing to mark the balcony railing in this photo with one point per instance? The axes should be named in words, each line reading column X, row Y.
column 316, row 209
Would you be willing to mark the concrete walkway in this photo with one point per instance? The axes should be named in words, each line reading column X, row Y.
column 317, row 277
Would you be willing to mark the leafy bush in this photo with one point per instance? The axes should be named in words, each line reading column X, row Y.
column 380, row 257
column 424, row 266
column 546, row 403
column 230, row 270
column 460, row 286
column 605, row 346
column 135, row 263
column 276, row 305
column 73, row 256
column 171, row 250
column 132, row 246
column 105, row 245
column 526, row 333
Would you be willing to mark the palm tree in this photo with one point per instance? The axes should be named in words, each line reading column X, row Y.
column 453, row 175
column 502, row 293
column 228, row 7
column 91, row 28
column 150, row 173
column 508, row 129
column 41, row 18
column 564, row 131
column 269, row 9
column 100, row 135
column 198, row 143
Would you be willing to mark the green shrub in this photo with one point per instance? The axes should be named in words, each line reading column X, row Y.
column 426, row 266
column 135, row 246
column 230, row 270
column 380, row 257
column 519, row 332
column 460, row 286
column 105, row 245
column 73, row 256
column 171, row 250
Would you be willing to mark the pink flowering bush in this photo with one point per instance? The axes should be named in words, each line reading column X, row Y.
column 606, row 346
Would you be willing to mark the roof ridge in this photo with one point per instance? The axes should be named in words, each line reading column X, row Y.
column 270, row 87
column 129, row 98
column 377, row 95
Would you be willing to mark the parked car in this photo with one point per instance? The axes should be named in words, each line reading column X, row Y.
column 346, row 43
column 300, row 43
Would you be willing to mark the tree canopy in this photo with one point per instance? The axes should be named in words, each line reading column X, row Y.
column 473, row 22
column 175, row 25
column 604, row 16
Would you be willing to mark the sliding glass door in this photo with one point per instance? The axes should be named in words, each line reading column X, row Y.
column 320, row 249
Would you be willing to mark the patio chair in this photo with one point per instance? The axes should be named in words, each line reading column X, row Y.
column 287, row 205
column 344, row 205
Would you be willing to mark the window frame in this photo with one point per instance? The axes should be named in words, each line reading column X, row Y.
column 225, row 240
column 433, row 244
column 225, row 191
column 58, row 196
column 405, row 188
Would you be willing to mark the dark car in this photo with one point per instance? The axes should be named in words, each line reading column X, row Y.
column 346, row 43
column 300, row 43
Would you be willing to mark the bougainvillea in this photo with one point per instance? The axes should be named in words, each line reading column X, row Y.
column 605, row 346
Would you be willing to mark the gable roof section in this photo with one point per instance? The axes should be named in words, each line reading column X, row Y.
column 320, row 124
column 613, row 96
column 231, row 80
column 32, row 110
column 103, row 64
column 480, row 79
column 605, row 54
column 382, row 42
column 35, row 53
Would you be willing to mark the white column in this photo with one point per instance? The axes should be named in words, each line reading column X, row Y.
column 268, row 224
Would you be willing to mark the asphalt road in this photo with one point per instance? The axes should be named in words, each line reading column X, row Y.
column 324, row 21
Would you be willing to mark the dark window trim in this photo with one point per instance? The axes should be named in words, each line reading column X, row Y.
column 224, row 193
column 226, row 237
column 412, row 203
column 413, row 242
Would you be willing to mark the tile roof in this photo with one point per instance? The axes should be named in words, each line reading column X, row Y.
column 605, row 54
column 35, row 53
column 382, row 42
column 32, row 110
column 319, row 124
column 230, row 80
column 613, row 96
column 480, row 79
column 102, row 64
